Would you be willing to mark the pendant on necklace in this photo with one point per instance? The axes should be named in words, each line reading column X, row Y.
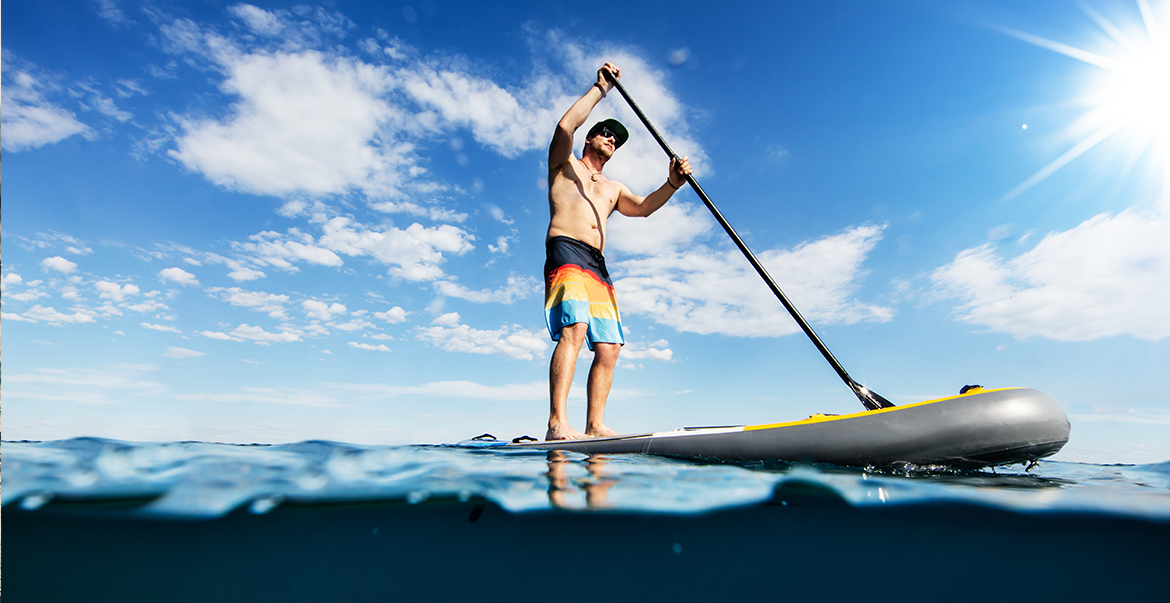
column 593, row 177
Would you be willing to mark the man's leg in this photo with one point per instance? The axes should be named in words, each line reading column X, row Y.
column 560, row 379
column 605, row 357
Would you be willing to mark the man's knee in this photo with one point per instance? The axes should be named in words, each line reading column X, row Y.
column 606, row 353
column 575, row 333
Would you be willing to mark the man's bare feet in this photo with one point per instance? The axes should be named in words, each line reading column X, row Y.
column 601, row 431
column 562, row 432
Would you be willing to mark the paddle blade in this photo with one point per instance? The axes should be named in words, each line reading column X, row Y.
column 870, row 399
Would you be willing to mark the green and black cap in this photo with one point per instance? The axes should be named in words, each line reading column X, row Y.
column 620, row 133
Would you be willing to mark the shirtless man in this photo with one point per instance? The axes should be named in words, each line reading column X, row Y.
column 579, row 302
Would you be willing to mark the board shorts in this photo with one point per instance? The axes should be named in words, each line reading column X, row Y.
column 577, row 288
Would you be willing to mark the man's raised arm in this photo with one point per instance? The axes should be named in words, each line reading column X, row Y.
column 561, row 147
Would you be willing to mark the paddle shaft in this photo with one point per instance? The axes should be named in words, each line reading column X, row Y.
column 869, row 399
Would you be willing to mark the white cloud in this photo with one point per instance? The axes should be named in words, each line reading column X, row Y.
column 437, row 214
column 653, row 351
column 449, row 319
column 115, row 292
column 365, row 346
column 29, row 119
column 257, row 19
column 518, row 287
column 182, row 353
column 146, row 306
column 259, row 335
column 356, row 324
column 27, row 296
column 412, row 254
column 166, row 328
column 700, row 290
column 55, row 318
column 1108, row 276
column 179, row 276
column 394, row 315
column 59, row 264
column 259, row 301
column 304, row 122
column 511, row 342
column 8, row 280
column 322, row 310
column 275, row 249
column 54, row 240
column 676, row 226
column 220, row 336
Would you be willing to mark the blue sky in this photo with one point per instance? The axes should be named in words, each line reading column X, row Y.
column 275, row 222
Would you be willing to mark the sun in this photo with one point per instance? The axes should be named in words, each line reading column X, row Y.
column 1129, row 96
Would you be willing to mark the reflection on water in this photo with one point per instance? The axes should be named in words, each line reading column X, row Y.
column 595, row 486
column 199, row 479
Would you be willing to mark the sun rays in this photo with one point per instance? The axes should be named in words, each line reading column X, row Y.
column 1129, row 96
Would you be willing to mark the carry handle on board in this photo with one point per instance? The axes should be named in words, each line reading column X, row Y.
column 871, row 400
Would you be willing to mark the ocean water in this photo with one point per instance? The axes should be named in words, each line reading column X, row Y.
column 98, row 519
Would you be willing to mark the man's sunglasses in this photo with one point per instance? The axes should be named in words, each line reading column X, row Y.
column 606, row 133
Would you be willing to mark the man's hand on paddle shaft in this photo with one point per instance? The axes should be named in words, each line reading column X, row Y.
column 680, row 168
column 561, row 147
column 603, row 81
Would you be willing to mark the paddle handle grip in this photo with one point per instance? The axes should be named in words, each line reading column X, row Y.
column 869, row 399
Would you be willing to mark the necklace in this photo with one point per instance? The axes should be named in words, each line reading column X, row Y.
column 593, row 175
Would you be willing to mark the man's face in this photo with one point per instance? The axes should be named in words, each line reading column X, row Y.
column 603, row 143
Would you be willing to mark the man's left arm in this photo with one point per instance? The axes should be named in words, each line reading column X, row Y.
column 629, row 204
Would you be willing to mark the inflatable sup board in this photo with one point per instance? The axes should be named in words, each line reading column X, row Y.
column 974, row 429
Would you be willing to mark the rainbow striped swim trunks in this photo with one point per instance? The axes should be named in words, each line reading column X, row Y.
column 577, row 288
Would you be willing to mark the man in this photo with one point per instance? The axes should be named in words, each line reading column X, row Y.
column 580, row 306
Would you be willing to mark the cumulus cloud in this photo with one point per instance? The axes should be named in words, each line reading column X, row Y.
column 307, row 119
column 322, row 310
column 165, row 328
column 182, row 353
column 511, row 342
column 412, row 254
column 394, row 315
column 29, row 119
column 259, row 301
column 304, row 122
column 365, row 346
column 50, row 315
column 115, row 292
column 652, row 351
column 178, row 275
column 1108, row 276
column 246, row 332
column 59, row 264
column 699, row 289
column 518, row 287
column 281, row 250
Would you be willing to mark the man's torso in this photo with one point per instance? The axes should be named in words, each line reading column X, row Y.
column 580, row 206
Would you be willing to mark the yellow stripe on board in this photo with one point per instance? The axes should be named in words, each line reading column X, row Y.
column 820, row 418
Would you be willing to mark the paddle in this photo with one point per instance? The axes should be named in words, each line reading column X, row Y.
column 869, row 399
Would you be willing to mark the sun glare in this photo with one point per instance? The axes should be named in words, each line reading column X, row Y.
column 1130, row 96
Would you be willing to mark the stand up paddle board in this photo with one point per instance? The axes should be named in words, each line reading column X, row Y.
column 974, row 429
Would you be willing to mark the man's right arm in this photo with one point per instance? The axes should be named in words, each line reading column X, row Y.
column 561, row 147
